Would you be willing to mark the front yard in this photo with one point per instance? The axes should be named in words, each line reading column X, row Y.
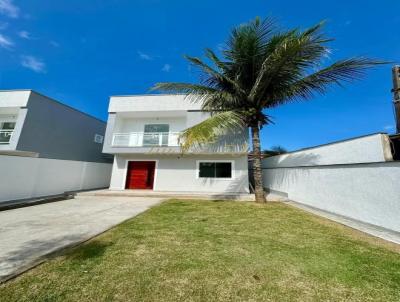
column 218, row 251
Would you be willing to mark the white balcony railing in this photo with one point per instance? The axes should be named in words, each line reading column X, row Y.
column 5, row 136
column 145, row 139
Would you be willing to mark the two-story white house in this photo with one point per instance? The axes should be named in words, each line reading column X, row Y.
column 142, row 133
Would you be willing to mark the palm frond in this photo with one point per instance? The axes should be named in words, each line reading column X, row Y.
column 290, row 54
column 211, row 99
column 245, row 50
column 185, row 88
column 340, row 72
column 215, row 79
column 214, row 58
column 210, row 129
column 249, row 39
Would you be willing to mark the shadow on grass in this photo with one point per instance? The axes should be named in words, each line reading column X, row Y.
column 90, row 251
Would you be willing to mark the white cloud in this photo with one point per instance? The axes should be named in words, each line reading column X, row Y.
column 8, row 8
column 24, row 34
column 54, row 44
column 145, row 56
column 388, row 127
column 166, row 68
column 33, row 63
column 5, row 42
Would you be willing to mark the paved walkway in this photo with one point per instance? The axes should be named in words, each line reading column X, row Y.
column 28, row 234
column 169, row 194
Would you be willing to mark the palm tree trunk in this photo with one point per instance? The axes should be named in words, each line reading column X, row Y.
column 257, row 171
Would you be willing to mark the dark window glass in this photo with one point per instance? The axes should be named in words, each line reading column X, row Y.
column 156, row 128
column 7, row 126
column 215, row 170
column 223, row 170
column 207, row 170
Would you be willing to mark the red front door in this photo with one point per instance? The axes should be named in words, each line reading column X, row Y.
column 140, row 175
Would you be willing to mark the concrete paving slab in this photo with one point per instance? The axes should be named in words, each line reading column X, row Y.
column 28, row 235
column 170, row 194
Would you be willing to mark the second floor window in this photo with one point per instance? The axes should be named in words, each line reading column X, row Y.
column 156, row 135
column 6, row 130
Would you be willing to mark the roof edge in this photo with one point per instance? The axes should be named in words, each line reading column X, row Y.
column 146, row 94
column 331, row 143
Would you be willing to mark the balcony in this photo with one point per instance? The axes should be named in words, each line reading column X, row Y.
column 5, row 136
column 146, row 139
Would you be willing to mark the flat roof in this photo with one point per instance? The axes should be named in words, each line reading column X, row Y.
column 152, row 102
column 54, row 100
column 147, row 94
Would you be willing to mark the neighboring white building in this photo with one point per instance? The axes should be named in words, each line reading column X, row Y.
column 47, row 148
column 142, row 133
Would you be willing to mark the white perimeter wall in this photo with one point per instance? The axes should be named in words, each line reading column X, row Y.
column 178, row 173
column 367, row 149
column 368, row 192
column 27, row 177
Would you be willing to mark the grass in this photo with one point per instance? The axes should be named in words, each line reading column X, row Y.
column 218, row 251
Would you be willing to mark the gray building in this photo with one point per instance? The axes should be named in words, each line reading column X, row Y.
column 35, row 125
column 48, row 148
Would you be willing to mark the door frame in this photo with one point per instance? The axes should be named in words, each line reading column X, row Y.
column 133, row 160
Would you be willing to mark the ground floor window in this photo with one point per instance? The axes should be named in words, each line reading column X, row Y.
column 215, row 170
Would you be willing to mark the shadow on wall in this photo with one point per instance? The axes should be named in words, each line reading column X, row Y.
column 283, row 161
column 236, row 185
column 235, row 141
column 290, row 160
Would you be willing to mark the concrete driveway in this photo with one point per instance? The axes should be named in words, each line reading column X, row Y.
column 28, row 234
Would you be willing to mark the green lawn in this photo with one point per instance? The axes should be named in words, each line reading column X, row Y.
column 218, row 251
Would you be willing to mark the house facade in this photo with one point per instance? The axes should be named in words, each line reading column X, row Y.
column 143, row 135
column 48, row 148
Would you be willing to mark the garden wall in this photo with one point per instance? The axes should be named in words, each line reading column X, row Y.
column 354, row 178
column 29, row 177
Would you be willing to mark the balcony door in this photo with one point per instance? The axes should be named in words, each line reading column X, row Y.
column 155, row 135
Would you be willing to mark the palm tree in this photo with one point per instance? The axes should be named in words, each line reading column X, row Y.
column 279, row 149
column 261, row 67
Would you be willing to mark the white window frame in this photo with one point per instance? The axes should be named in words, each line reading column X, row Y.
column 232, row 162
column 98, row 138
column 7, row 119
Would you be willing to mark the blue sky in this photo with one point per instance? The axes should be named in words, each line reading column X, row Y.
column 81, row 52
